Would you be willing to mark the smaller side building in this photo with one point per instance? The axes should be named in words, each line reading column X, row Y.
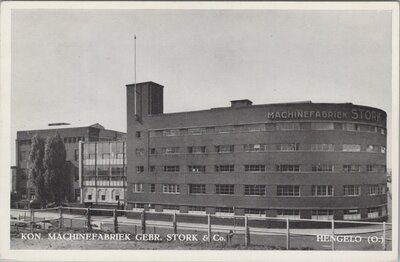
column 102, row 174
column 24, row 190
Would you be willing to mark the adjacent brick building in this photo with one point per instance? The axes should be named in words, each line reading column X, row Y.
column 303, row 160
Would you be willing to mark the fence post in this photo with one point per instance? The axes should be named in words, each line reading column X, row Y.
column 143, row 222
column 384, row 236
column 247, row 231
column 32, row 218
column 115, row 221
column 333, row 234
column 287, row 234
column 174, row 224
column 89, row 223
column 60, row 225
column 209, row 227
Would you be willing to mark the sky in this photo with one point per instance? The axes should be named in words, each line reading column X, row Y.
column 72, row 65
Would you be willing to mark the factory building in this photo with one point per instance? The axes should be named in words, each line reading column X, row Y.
column 298, row 160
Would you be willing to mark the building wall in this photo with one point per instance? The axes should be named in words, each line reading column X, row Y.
column 233, row 126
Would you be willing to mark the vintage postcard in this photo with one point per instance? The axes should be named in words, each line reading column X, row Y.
column 199, row 131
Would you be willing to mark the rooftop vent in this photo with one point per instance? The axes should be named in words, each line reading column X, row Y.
column 241, row 103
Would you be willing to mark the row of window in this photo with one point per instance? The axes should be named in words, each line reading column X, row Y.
column 68, row 140
column 104, row 150
column 102, row 170
column 322, row 214
column 261, row 148
column 257, row 168
column 283, row 126
column 260, row 190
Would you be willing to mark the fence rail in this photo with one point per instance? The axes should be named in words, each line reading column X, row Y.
column 284, row 233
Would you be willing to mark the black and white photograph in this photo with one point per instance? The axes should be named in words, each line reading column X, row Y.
column 134, row 129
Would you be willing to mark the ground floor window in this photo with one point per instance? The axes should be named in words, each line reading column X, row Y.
column 351, row 214
column 138, row 206
column 375, row 212
column 77, row 194
column 322, row 214
column 171, row 208
column 288, row 213
column 224, row 211
column 197, row 210
column 254, row 212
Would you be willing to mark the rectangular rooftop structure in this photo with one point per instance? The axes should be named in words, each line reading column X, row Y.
column 241, row 103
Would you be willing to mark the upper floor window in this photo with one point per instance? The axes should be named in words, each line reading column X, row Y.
column 322, row 168
column 153, row 151
column 254, row 168
column 171, row 188
column 197, row 188
column 351, row 148
column 349, row 127
column 170, row 150
column 255, row 147
column 197, row 169
column 196, row 131
column 288, row 190
column 224, row 168
column 288, row 126
column 23, row 156
column 351, row 168
column 196, row 149
column 289, row 147
column 138, row 188
column 254, row 190
column 376, row 168
column 351, row 190
column 224, row 129
column 171, row 169
column 171, row 132
column 367, row 128
column 224, row 148
column 377, row 189
column 322, row 126
column 322, row 147
column 288, row 168
column 225, row 189
column 254, row 127
column 322, row 190
column 140, row 151
column 376, row 149
column 139, row 169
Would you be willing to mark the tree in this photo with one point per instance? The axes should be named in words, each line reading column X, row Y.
column 55, row 166
column 36, row 169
